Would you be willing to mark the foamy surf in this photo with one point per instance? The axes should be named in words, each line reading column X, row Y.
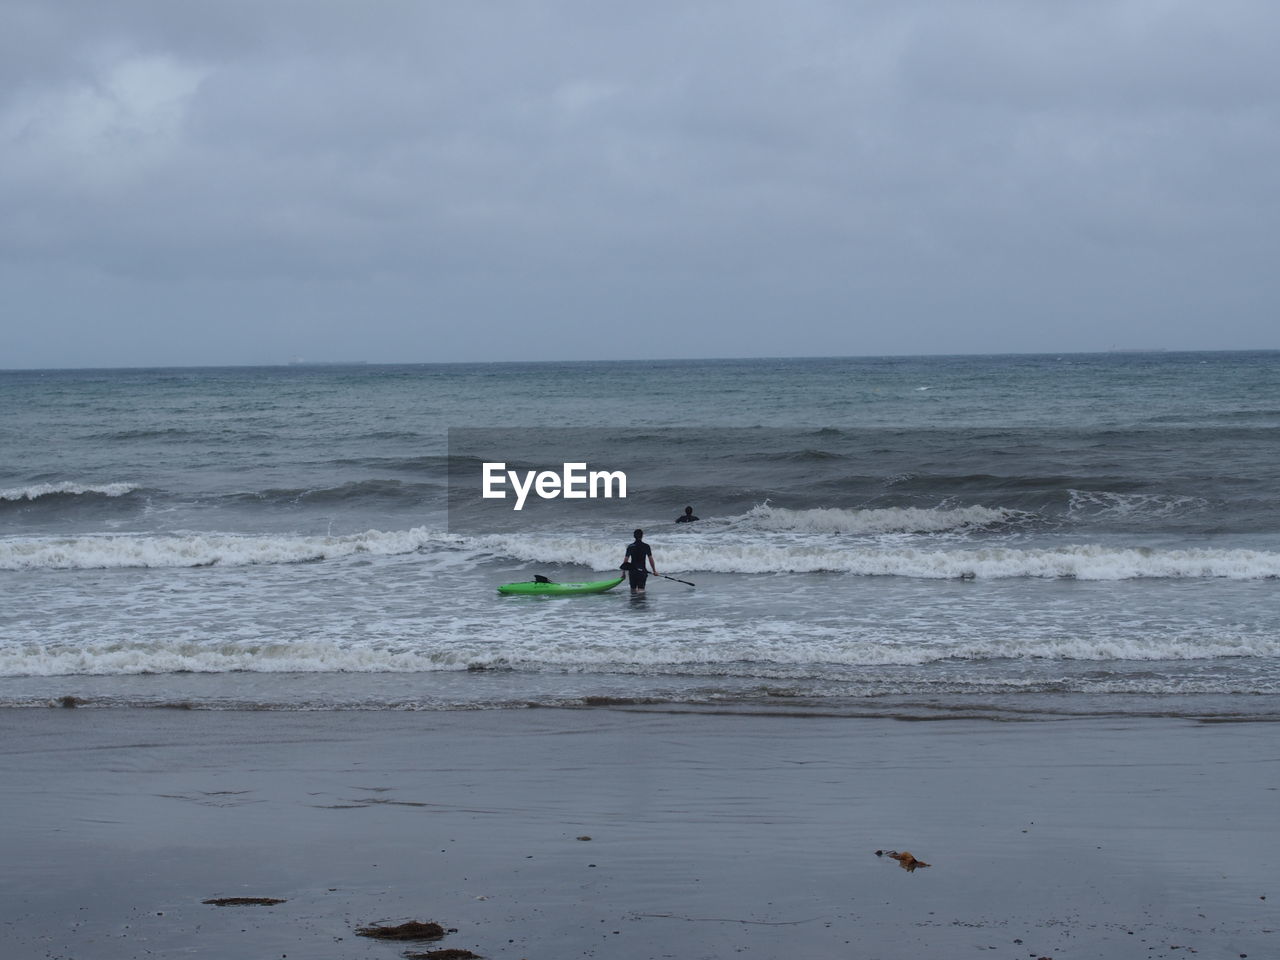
column 1130, row 506
column 1079, row 562
column 65, row 489
column 835, row 520
column 205, row 549
column 713, row 650
column 712, row 555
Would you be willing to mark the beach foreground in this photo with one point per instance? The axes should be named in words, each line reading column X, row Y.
column 710, row 834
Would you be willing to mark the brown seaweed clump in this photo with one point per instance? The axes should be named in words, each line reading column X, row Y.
column 413, row 930
column 905, row 860
column 244, row 901
column 448, row 953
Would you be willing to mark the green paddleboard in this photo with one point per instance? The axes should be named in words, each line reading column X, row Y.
column 532, row 588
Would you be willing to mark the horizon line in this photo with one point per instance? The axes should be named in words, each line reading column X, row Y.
column 285, row 364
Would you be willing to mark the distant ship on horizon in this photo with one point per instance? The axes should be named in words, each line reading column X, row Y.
column 300, row 362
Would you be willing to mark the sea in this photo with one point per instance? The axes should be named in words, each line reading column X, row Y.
column 1016, row 537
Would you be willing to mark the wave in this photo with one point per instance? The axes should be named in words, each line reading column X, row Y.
column 187, row 656
column 945, row 484
column 356, row 491
column 833, row 520
column 806, row 455
column 174, row 434
column 1111, row 505
column 817, row 660
column 68, row 488
column 204, row 549
column 1077, row 562
column 417, row 464
column 765, row 540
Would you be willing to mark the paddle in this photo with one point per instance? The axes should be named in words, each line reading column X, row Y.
column 627, row 566
column 676, row 579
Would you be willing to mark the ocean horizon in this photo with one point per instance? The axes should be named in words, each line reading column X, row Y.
column 299, row 362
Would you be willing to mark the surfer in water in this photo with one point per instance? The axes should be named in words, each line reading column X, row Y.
column 633, row 562
column 688, row 516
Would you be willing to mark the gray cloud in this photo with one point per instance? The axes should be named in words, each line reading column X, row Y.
column 242, row 182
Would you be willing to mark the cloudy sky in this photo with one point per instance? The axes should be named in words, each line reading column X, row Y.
column 246, row 182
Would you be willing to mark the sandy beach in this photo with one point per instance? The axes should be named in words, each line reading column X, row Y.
column 710, row 835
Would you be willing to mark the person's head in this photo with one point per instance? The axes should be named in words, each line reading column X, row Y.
column 639, row 534
column 688, row 511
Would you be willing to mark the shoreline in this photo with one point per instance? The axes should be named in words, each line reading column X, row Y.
column 710, row 833
column 447, row 691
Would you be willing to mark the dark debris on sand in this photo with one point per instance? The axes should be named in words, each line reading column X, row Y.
column 413, row 930
column 244, row 901
column 448, row 953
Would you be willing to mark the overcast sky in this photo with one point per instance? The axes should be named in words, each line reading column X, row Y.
column 246, row 182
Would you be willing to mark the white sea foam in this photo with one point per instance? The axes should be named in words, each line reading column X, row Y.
column 204, row 549
column 66, row 488
column 1129, row 506
column 713, row 650
column 752, row 554
column 834, row 520
column 1081, row 562
column 132, row 658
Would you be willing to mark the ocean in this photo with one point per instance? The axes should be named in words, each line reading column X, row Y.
column 1019, row 537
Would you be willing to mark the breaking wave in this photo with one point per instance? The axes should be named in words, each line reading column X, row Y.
column 203, row 550
column 719, row 651
column 867, row 522
column 764, row 540
column 1080, row 562
column 66, row 489
column 1110, row 505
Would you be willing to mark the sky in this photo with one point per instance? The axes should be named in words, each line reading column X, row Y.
column 246, row 183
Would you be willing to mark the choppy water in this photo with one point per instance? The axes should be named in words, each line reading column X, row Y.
column 1020, row 536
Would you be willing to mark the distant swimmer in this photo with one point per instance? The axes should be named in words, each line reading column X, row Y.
column 633, row 562
column 688, row 516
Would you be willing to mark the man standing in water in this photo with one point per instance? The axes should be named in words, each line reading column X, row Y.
column 688, row 516
column 634, row 562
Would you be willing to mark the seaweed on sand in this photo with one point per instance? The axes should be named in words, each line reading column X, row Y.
column 413, row 930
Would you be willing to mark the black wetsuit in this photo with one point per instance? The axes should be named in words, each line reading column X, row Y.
column 637, row 553
column 686, row 518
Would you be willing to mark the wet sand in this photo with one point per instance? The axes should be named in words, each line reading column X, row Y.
column 711, row 835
